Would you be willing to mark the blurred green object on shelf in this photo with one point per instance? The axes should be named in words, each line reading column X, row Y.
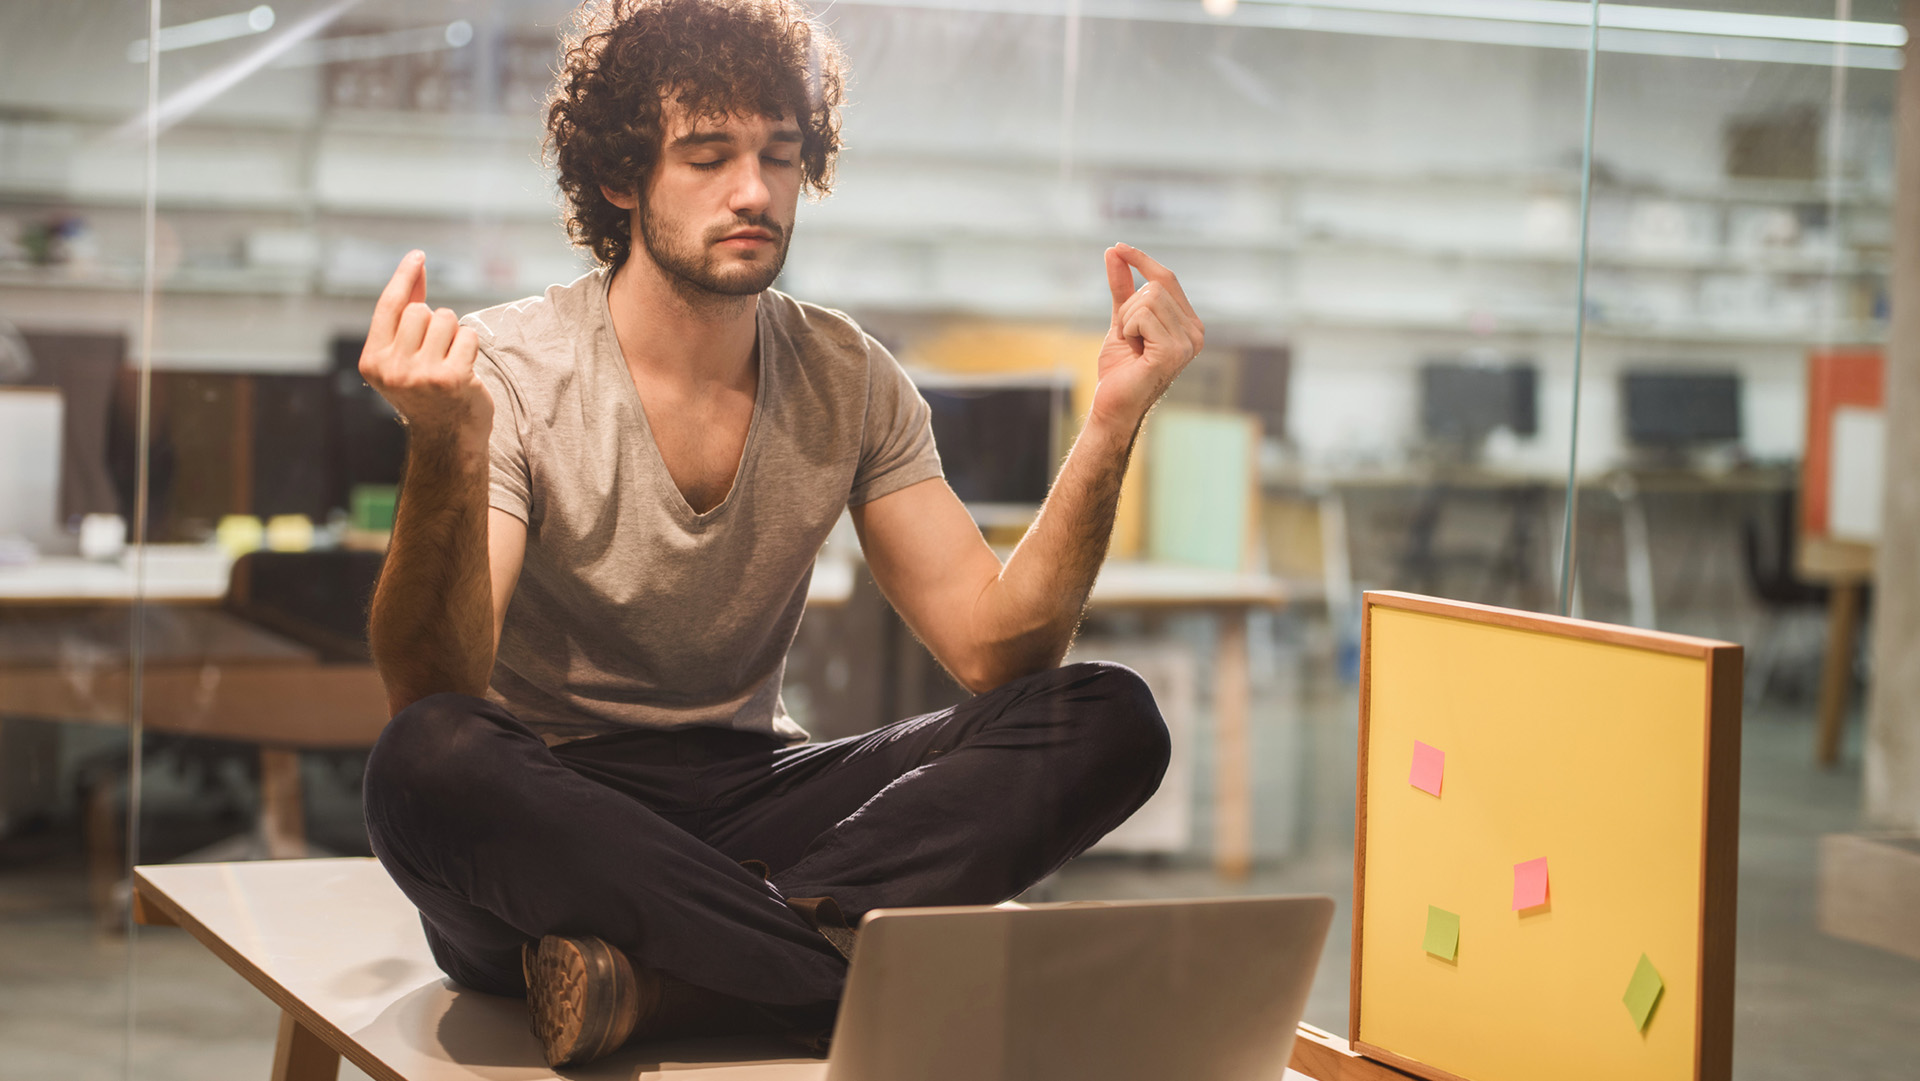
column 1202, row 487
column 372, row 506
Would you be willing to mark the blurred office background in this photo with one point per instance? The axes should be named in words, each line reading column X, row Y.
column 1377, row 207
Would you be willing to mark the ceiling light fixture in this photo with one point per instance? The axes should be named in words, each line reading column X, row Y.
column 258, row 20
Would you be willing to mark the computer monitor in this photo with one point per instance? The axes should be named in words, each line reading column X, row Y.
column 1462, row 402
column 997, row 437
column 1672, row 410
column 1266, row 376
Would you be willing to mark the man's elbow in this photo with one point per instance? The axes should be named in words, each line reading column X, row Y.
column 408, row 678
column 988, row 668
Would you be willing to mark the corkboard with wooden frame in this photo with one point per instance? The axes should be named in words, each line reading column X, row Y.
column 1611, row 752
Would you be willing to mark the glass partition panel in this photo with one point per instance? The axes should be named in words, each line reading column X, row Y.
column 72, row 246
column 304, row 148
column 1377, row 214
column 1730, row 442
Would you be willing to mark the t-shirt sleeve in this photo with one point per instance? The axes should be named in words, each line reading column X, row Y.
column 509, row 484
column 896, row 448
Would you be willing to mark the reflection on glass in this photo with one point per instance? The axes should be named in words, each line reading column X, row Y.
column 71, row 249
column 1738, row 307
column 1375, row 206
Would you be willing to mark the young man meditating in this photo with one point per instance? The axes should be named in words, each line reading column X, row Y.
column 614, row 495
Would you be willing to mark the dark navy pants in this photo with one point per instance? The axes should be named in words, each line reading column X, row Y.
column 638, row 837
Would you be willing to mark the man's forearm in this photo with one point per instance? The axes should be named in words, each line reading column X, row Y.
column 431, row 624
column 1027, row 616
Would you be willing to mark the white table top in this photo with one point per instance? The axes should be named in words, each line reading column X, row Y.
column 335, row 943
column 187, row 573
column 174, row 573
column 1130, row 583
column 1123, row 583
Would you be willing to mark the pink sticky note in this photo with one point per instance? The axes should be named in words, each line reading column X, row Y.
column 1429, row 765
column 1530, row 884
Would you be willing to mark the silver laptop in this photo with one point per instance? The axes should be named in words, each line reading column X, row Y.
column 1205, row 990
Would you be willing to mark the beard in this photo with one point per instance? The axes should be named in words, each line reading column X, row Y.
column 697, row 267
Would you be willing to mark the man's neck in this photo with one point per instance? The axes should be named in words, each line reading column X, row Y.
column 668, row 331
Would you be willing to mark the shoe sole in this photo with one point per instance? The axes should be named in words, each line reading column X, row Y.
column 581, row 997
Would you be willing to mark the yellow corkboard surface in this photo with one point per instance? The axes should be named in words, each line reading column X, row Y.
column 1586, row 745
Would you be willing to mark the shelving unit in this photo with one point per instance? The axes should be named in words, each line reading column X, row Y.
column 1361, row 260
column 1275, row 231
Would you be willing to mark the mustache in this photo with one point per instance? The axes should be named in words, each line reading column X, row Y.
column 747, row 221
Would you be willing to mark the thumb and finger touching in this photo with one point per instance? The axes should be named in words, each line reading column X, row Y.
column 1144, row 325
column 1122, row 261
column 1155, row 274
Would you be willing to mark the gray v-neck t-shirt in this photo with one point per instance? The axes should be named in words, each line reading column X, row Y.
column 632, row 611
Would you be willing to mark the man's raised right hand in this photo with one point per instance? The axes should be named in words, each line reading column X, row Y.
column 420, row 359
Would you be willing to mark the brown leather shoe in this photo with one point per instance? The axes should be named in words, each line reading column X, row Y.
column 583, row 998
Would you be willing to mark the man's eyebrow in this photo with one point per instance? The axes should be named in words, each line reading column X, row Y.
column 706, row 138
column 700, row 138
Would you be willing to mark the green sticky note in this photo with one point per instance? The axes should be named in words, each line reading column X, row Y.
column 1443, row 933
column 1642, row 991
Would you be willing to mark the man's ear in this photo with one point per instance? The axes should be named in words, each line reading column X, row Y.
column 625, row 200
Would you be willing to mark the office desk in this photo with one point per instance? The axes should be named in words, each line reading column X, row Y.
column 1846, row 568
column 288, row 701
column 174, row 574
column 65, row 655
column 1534, row 504
column 1228, row 597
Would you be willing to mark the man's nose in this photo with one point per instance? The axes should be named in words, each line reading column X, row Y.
column 750, row 194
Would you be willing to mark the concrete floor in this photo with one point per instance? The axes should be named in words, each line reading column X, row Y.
column 1809, row 1006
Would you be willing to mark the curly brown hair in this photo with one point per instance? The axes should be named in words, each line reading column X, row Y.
column 622, row 60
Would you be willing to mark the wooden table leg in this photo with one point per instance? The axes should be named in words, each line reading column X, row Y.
column 1233, row 789
column 298, row 1055
column 1836, row 676
column 283, row 820
column 106, row 853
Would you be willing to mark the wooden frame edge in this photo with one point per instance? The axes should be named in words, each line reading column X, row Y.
column 303, row 1015
column 1322, row 1056
column 1357, row 906
column 1660, row 641
column 1406, row 1065
column 1719, row 865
